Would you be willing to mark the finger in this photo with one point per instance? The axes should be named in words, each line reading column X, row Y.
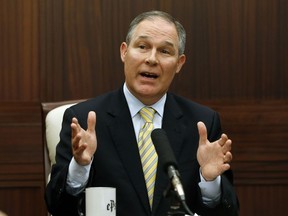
column 76, row 142
column 75, row 127
column 80, row 149
column 227, row 157
column 227, row 146
column 202, row 132
column 91, row 121
column 223, row 139
column 225, row 167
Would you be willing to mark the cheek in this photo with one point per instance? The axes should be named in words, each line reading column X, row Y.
column 169, row 74
column 171, row 69
column 130, row 60
column 130, row 67
column 132, row 54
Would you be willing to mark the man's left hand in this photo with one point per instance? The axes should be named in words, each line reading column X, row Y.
column 213, row 157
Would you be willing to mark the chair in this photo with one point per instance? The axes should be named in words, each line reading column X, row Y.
column 52, row 115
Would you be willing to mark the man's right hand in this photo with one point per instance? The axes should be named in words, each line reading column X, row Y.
column 84, row 143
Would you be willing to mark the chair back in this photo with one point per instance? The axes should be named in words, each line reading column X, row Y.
column 52, row 116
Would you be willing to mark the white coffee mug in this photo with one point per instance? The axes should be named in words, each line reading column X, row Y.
column 100, row 201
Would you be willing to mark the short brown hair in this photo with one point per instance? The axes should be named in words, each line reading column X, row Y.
column 152, row 14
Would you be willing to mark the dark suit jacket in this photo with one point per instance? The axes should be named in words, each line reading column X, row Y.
column 117, row 163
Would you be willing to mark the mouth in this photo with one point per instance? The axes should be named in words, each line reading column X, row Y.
column 149, row 75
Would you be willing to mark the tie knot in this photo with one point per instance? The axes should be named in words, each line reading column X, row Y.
column 147, row 113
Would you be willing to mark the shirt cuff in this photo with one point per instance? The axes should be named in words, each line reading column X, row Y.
column 210, row 190
column 77, row 177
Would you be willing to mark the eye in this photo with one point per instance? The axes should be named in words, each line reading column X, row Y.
column 142, row 46
column 165, row 51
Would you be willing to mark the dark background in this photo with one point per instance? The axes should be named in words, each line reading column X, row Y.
column 237, row 63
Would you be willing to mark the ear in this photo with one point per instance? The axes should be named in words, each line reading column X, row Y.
column 123, row 50
column 181, row 61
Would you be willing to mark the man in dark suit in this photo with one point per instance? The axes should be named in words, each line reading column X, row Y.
column 104, row 153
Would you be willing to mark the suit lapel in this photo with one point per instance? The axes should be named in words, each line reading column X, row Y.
column 122, row 131
column 172, row 124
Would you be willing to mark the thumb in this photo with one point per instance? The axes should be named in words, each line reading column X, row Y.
column 91, row 121
column 202, row 132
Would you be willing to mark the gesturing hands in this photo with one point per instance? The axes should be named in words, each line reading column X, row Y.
column 84, row 143
column 214, row 158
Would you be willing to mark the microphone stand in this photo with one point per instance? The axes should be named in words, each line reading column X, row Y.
column 176, row 206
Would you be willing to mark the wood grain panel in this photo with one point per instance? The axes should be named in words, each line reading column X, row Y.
column 21, row 152
column 240, row 44
column 262, row 200
column 19, row 50
column 22, row 200
column 236, row 50
column 21, row 159
column 79, row 58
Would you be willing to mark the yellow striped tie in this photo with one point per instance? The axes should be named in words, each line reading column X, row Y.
column 147, row 151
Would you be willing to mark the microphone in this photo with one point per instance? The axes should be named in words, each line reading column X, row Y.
column 167, row 159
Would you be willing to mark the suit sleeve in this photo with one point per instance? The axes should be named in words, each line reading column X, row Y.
column 228, row 205
column 58, row 201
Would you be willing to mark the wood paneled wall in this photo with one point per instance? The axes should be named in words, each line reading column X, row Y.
column 60, row 49
column 21, row 159
column 19, row 50
column 237, row 63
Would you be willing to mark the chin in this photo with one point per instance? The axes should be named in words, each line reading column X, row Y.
column 147, row 91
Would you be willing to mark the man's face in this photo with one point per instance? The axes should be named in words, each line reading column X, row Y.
column 151, row 60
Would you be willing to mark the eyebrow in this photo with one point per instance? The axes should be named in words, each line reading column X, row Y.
column 147, row 37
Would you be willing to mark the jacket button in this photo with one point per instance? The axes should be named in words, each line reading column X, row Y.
column 227, row 204
column 60, row 191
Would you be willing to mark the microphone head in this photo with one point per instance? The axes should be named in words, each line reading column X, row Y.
column 163, row 148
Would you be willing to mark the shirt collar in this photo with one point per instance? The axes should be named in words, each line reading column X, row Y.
column 136, row 105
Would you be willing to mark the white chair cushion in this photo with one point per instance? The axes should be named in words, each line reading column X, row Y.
column 53, row 123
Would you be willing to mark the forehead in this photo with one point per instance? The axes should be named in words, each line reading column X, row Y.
column 156, row 28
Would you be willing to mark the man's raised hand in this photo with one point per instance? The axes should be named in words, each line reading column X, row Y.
column 84, row 143
column 214, row 158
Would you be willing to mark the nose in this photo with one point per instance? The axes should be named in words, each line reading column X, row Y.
column 152, row 58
